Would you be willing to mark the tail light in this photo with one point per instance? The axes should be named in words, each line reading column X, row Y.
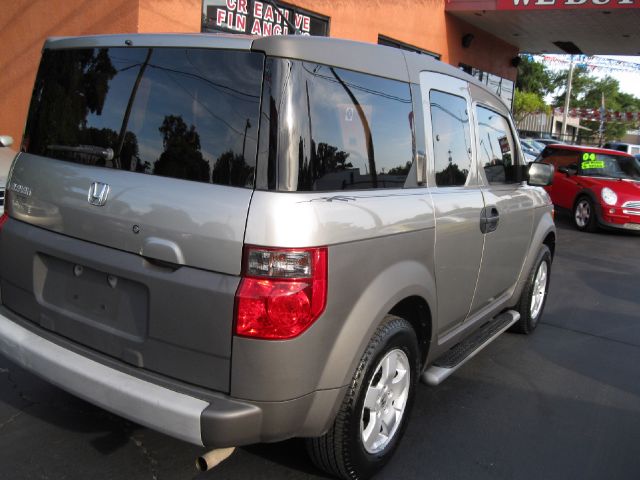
column 3, row 220
column 282, row 291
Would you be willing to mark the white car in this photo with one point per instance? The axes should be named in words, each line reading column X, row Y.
column 6, row 158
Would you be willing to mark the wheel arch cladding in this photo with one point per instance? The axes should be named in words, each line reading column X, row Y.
column 400, row 288
column 550, row 242
column 416, row 311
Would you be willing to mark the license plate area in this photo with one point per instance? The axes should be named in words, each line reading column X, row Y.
column 97, row 299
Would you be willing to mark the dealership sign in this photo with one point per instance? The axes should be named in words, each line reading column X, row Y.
column 255, row 17
column 565, row 4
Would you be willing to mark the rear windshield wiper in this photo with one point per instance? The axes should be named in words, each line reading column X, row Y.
column 104, row 153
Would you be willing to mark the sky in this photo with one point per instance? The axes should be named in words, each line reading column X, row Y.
column 629, row 81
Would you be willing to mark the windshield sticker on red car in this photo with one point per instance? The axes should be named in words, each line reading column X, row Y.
column 589, row 161
column 592, row 164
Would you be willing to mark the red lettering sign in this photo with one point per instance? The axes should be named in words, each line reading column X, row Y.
column 268, row 13
column 221, row 16
column 256, row 29
column 565, row 4
column 241, row 23
column 257, row 9
column 259, row 17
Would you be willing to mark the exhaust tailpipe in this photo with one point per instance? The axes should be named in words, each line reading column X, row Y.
column 214, row 457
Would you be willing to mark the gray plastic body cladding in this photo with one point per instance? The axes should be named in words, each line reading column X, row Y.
column 224, row 421
column 170, row 412
column 199, row 224
column 185, row 331
column 198, row 417
column 224, row 425
column 380, row 252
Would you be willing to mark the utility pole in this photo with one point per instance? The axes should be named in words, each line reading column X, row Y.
column 601, row 129
column 567, row 102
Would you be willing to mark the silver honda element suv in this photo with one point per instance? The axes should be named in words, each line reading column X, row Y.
column 236, row 240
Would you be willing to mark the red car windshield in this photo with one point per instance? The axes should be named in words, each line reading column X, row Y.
column 611, row 166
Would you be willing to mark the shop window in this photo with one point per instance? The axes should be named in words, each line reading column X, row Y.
column 260, row 17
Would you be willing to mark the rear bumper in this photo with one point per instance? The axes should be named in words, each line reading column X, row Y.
column 214, row 421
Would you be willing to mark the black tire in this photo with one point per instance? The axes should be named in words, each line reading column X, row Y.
column 528, row 322
column 585, row 215
column 341, row 451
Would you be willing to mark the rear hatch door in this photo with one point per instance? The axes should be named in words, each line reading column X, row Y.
column 150, row 153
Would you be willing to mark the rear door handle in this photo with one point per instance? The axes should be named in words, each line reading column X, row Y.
column 489, row 219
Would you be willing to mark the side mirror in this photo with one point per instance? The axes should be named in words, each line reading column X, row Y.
column 6, row 141
column 540, row 174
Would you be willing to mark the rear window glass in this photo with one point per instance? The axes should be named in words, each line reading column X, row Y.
column 335, row 129
column 184, row 113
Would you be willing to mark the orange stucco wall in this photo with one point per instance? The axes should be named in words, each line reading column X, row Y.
column 170, row 16
column 25, row 24
column 422, row 23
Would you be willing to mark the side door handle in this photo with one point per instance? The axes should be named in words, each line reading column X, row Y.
column 489, row 219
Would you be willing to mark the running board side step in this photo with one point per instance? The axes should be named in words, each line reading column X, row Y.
column 460, row 353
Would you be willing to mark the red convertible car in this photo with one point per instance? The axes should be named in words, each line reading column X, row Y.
column 601, row 187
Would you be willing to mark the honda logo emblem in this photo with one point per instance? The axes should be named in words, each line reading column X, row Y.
column 98, row 193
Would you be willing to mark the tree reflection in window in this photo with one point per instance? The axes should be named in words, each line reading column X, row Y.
column 496, row 153
column 178, row 112
column 451, row 138
column 351, row 130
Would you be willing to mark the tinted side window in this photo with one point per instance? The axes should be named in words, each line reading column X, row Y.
column 562, row 158
column 497, row 152
column 451, row 138
column 184, row 113
column 334, row 129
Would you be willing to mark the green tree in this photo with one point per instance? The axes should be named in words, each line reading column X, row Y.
column 534, row 77
column 181, row 157
column 614, row 100
column 582, row 82
column 527, row 103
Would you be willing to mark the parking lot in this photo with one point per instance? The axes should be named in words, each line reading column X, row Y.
column 563, row 403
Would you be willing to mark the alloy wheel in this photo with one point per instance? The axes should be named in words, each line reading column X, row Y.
column 582, row 213
column 385, row 401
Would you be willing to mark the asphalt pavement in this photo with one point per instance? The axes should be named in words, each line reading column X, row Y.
column 561, row 403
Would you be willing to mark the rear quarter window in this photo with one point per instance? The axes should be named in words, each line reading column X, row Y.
column 335, row 129
column 191, row 114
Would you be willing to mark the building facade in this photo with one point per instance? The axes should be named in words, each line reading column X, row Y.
column 419, row 25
